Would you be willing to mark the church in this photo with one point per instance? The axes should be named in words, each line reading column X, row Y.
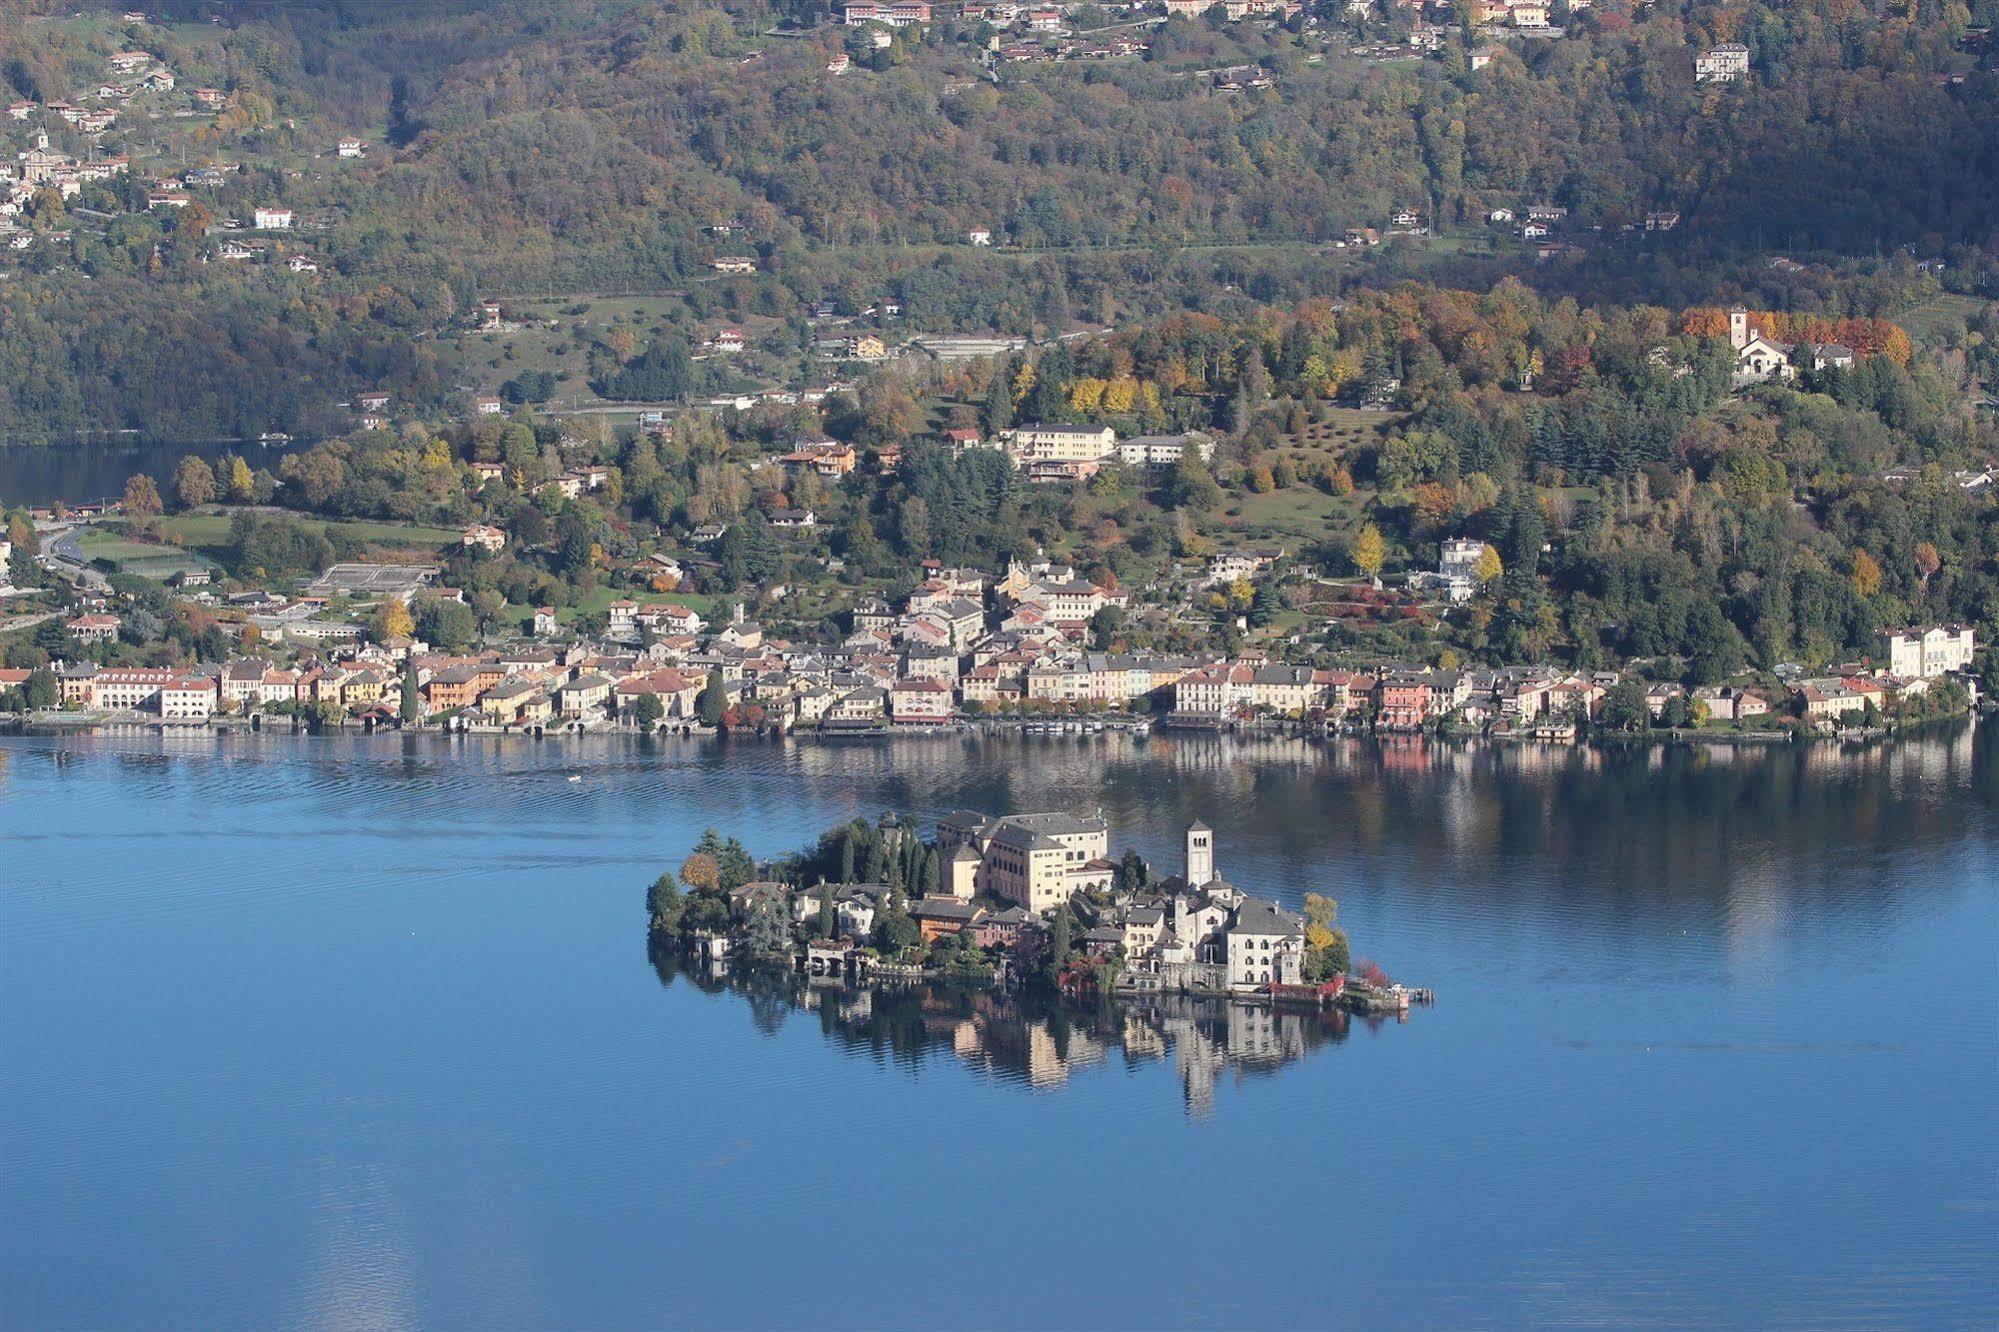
column 1758, row 359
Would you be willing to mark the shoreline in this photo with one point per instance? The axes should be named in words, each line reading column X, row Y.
column 1087, row 729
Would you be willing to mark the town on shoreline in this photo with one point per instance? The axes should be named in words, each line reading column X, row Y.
column 962, row 647
column 1010, row 900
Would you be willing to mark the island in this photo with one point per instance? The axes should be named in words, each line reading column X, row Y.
column 1007, row 901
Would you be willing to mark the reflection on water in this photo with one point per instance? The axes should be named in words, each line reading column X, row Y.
column 1030, row 1039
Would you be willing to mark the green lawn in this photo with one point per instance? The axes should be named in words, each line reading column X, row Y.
column 143, row 558
column 209, row 528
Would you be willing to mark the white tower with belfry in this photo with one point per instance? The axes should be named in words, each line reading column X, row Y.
column 1200, row 863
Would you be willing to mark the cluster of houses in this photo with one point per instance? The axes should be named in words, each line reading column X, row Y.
column 1000, row 876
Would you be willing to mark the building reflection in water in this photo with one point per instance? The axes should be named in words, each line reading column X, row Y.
column 1029, row 1040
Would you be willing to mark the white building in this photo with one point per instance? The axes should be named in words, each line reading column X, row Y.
column 1924, row 653
column 1045, row 442
column 1758, row 359
column 272, row 219
column 1723, row 64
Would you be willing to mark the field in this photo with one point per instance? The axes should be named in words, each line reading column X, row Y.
column 1925, row 321
column 142, row 558
column 197, row 540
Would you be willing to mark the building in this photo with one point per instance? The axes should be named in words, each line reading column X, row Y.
column 920, row 703
column 1045, row 442
column 1758, row 359
column 483, row 537
column 1926, row 653
column 352, row 148
column 1265, row 946
column 1722, row 64
column 272, row 219
column 1034, row 861
column 93, row 628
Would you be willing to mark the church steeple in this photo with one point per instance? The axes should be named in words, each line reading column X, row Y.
column 1200, row 862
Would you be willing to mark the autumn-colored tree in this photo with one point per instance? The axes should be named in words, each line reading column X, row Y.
column 194, row 482
column 392, row 620
column 1488, row 569
column 1928, row 562
column 242, row 485
column 699, row 873
column 142, row 497
column 1370, row 552
column 1866, row 574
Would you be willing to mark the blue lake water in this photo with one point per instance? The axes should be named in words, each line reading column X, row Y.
column 363, row 1032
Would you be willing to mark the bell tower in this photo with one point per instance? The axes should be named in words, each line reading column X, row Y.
column 1738, row 328
column 1200, row 863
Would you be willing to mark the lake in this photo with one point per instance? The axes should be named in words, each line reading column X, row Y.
column 78, row 473
column 363, row 1032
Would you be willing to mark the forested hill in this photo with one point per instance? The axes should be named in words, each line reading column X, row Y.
column 545, row 146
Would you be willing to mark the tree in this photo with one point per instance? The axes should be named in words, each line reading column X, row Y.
column 242, row 484
column 1058, row 943
column 663, row 902
column 446, row 624
column 142, row 497
column 700, row 873
column 1369, row 551
column 1624, row 707
column 391, row 620
column 1326, row 953
column 1488, row 569
column 1928, row 562
column 648, row 711
column 412, row 704
column 1866, row 574
column 40, row 691
column 713, row 700
column 194, row 482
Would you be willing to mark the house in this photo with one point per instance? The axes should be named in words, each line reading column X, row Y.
column 298, row 263
column 789, row 518
column 544, row 621
column 373, row 402
column 126, row 62
column 488, row 406
column 1481, row 56
column 1725, row 703
column 920, row 703
column 483, row 537
column 352, row 148
column 187, row 698
column 1265, row 946
column 624, row 619
column 828, row 458
column 1528, row 14
column 587, row 693
column 1722, row 64
column 272, row 219
column 1926, row 653
column 1662, row 219
column 93, row 628
column 729, row 340
column 839, row 64
column 979, row 236
column 734, row 264
column 1823, row 356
